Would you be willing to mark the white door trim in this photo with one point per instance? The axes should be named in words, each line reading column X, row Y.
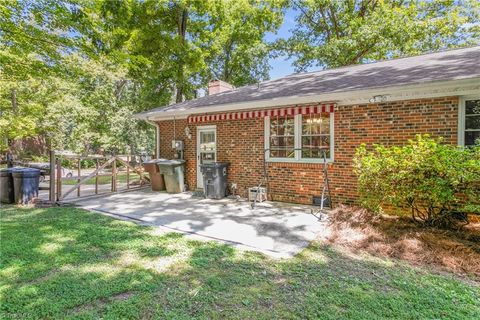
column 199, row 129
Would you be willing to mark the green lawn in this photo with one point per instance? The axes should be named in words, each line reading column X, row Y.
column 68, row 263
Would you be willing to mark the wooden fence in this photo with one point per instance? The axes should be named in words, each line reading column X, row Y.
column 57, row 192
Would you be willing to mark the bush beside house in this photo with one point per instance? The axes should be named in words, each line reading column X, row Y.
column 438, row 183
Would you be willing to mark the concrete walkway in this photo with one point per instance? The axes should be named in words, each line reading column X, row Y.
column 277, row 229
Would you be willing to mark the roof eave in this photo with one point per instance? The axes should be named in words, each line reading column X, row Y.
column 430, row 89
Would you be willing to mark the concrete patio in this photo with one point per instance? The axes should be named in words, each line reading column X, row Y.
column 276, row 229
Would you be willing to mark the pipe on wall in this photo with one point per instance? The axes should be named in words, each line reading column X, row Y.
column 157, row 137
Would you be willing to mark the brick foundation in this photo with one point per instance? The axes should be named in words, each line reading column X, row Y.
column 241, row 142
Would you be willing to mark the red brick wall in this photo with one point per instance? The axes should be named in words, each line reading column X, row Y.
column 241, row 143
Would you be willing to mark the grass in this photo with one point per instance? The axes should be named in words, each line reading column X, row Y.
column 69, row 263
column 121, row 178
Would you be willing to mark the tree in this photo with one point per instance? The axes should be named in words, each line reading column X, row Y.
column 238, row 53
column 178, row 46
column 332, row 33
column 33, row 42
column 57, row 85
column 74, row 72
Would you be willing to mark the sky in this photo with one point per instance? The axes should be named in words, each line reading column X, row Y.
column 282, row 66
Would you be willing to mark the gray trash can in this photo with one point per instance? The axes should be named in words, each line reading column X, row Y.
column 174, row 174
column 214, row 179
column 25, row 184
column 6, row 186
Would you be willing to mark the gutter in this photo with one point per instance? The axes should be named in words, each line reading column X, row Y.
column 157, row 137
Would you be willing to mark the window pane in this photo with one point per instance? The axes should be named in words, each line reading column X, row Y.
column 290, row 153
column 326, row 141
column 274, row 142
column 326, row 124
column 316, row 153
column 316, row 141
column 273, row 127
column 273, row 153
column 472, row 107
column 288, row 120
column 327, row 153
column 315, row 124
column 289, row 142
column 289, row 130
column 306, row 141
column 471, row 137
column 315, row 135
column 207, row 141
column 282, row 137
column 472, row 122
column 306, row 126
column 306, row 153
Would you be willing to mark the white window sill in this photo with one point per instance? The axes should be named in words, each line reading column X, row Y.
column 289, row 160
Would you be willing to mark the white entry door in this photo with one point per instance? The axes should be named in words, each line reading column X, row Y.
column 206, row 149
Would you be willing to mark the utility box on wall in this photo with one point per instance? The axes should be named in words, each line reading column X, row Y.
column 177, row 145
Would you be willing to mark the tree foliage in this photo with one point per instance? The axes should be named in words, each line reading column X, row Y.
column 75, row 72
column 438, row 183
column 330, row 33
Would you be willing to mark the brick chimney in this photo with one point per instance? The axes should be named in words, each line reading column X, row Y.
column 217, row 86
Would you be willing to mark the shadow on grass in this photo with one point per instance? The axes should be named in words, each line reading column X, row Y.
column 61, row 263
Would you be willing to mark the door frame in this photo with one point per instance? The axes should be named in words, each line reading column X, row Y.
column 199, row 173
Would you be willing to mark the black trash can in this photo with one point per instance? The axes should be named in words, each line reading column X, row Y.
column 6, row 186
column 214, row 179
column 25, row 184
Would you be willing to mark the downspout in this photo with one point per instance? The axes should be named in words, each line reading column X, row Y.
column 157, row 137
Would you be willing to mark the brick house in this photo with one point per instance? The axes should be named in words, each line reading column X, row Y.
column 295, row 117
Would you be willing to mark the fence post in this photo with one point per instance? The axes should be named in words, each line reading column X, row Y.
column 51, row 192
column 114, row 175
column 59, row 178
column 128, row 171
column 78, row 175
column 96, row 177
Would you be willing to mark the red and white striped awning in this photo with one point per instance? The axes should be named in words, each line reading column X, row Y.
column 243, row 115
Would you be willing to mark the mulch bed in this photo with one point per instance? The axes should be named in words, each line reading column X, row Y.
column 399, row 237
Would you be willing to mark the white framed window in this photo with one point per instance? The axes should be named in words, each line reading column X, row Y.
column 469, row 120
column 299, row 138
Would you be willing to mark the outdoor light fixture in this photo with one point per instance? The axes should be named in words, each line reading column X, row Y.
column 187, row 133
column 379, row 98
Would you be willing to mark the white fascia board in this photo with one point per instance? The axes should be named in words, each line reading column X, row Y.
column 403, row 92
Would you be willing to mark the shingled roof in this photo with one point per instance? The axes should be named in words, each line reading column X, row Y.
column 439, row 66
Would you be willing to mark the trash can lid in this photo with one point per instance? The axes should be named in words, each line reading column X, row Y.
column 215, row 164
column 155, row 160
column 173, row 162
column 6, row 172
column 25, row 172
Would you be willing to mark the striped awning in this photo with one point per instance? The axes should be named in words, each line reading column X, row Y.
column 285, row 111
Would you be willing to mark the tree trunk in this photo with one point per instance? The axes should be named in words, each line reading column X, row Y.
column 11, row 143
column 182, row 17
column 226, row 71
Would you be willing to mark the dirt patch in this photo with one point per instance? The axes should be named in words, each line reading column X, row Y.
column 398, row 237
column 100, row 303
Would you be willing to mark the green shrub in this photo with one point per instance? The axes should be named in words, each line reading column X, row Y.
column 73, row 163
column 438, row 183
